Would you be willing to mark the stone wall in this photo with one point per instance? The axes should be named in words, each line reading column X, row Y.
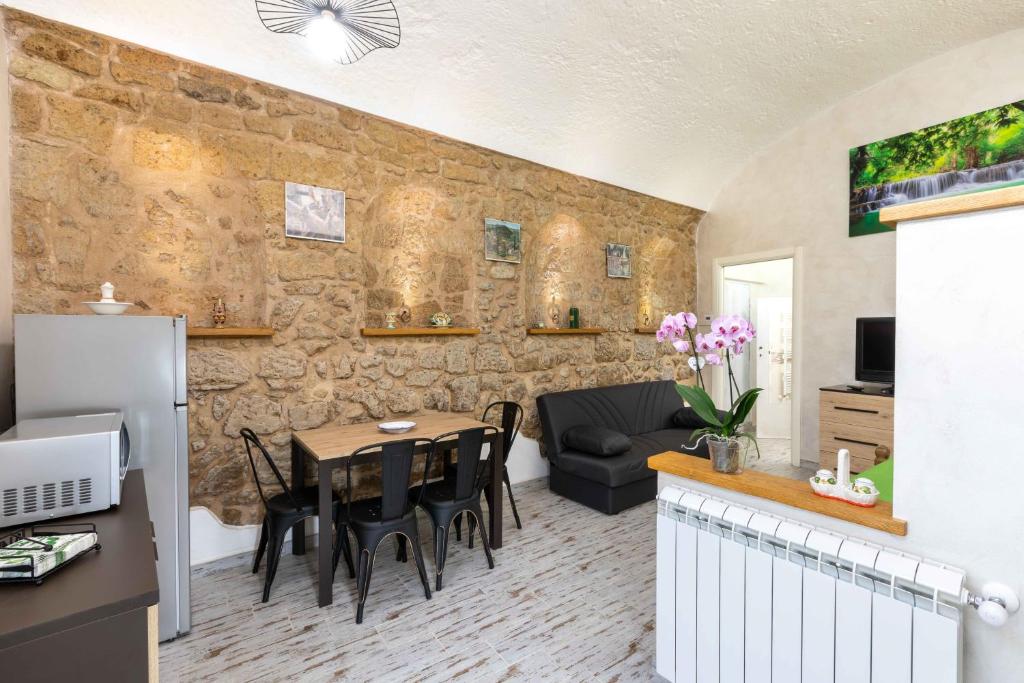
column 166, row 177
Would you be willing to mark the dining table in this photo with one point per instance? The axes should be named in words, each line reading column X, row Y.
column 329, row 447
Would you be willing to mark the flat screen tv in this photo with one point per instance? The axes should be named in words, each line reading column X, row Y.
column 876, row 350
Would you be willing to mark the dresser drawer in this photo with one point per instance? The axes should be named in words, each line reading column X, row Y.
column 830, row 461
column 860, row 441
column 863, row 410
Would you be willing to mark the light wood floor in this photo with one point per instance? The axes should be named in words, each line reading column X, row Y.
column 571, row 599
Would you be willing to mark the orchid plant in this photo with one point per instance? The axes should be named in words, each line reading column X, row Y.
column 728, row 336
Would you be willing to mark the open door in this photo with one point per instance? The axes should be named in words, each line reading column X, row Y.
column 775, row 366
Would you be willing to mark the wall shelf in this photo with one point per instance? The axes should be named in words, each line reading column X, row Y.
column 230, row 332
column 793, row 492
column 565, row 330
column 645, row 330
column 418, row 331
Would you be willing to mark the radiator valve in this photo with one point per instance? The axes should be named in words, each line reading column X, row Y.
column 995, row 604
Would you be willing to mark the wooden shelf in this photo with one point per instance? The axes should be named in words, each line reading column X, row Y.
column 645, row 330
column 793, row 492
column 230, row 332
column 949, row 206
column 565, row 330
column 418, row 331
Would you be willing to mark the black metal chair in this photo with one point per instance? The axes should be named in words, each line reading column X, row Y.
column 449, row 498
column 394, row 512
column 284, row 510
column 511, row 420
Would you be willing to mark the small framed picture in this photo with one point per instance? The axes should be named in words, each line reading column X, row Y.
column 502, row 241
column 619, row 260
column 314, row 213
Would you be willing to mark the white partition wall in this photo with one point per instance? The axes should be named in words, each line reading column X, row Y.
column 959, row 400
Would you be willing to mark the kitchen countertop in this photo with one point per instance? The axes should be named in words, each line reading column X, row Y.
column 118, row 578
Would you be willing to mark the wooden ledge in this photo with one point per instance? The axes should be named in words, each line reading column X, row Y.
column 230, row 332
column 565, row 330
column 793, row 492
column 417, row 331
column 950, row 206
column 645, row 330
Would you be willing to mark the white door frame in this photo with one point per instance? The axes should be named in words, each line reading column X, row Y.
column 718, row 374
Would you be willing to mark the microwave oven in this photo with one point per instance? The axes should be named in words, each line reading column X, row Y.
column 59, row 466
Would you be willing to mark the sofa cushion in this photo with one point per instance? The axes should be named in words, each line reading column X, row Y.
column 617, row 470
column 687, row 418
column 597, row 441
column 628, row 408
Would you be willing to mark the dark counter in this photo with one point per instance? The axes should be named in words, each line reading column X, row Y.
column 118, row 579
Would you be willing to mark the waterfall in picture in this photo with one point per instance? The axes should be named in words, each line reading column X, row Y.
column 867, row 199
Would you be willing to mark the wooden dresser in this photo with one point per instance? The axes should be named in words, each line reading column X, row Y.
column 858, row 421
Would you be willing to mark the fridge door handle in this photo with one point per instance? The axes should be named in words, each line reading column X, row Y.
column 180, row 356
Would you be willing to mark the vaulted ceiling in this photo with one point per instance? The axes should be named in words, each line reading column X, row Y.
column 667, row 97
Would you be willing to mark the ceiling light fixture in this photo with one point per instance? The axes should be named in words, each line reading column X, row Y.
column 342, row 30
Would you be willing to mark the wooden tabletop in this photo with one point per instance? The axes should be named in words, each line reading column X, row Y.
column 794, row 492
column 340, row 441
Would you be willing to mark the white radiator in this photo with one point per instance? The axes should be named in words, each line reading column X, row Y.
column 747, row 597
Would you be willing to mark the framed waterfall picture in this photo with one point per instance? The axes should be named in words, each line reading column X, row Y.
column 502, row 241
column 982, row 151
column 314, row 213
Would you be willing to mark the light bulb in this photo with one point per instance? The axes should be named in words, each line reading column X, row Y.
column 327, row 36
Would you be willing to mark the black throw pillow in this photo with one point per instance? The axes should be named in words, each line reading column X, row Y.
column 687, row 418
column 594, row 440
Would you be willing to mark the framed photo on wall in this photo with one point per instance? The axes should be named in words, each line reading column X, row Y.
column 502, row 241
column 619, row 257
column 314, row 213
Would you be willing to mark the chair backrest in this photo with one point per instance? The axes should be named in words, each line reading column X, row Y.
column 396, row 460
column 511, row 420
column 253, row 441
column 469, row 444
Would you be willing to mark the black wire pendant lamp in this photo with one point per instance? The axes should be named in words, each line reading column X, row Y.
column 344, row 30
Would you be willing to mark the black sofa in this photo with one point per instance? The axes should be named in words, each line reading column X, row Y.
column 646, row 412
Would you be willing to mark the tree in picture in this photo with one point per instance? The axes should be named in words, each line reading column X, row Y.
column 723, row 430
column 977, row 152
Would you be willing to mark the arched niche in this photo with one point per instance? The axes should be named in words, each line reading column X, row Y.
column 663, row 278
column 565, row 266
column 416, row 256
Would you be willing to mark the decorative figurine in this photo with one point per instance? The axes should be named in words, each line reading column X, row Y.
column 220, row 314
column 391, row 320
column 404, row 315
column 553, row 313
column 441, row 319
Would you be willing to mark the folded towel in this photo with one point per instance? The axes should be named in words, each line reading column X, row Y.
column 18, row 558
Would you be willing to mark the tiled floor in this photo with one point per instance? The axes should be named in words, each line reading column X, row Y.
column 571, row 599
column 775, row 460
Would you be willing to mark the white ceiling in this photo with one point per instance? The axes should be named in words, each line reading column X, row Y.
column 667, row 97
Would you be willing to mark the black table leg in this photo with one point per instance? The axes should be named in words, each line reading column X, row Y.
column 325, row 542
column 298, row 482
column 497, row 471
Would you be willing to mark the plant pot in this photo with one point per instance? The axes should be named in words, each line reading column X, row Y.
column 726, row 455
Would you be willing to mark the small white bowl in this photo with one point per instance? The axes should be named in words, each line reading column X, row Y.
column 107, row 307
column 400, row 427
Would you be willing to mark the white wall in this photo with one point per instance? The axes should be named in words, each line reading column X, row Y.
column 6, row 262
column 795, row 193
column 959, row 466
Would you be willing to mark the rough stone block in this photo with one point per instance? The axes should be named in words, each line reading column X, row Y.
column 45, row 73
column 212, row 369
column 161, row 151
column 62, row 52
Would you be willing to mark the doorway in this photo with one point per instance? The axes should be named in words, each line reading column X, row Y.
column 763, row 288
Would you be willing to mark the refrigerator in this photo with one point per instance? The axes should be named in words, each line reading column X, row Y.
column 67, row 364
